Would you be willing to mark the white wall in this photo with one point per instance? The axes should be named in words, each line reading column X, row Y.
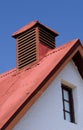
column 47, row 112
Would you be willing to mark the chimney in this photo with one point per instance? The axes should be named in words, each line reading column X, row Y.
column 33, row 41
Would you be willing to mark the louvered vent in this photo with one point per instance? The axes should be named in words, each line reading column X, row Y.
column 26, row 48
column 34, row 40
column 46, row 38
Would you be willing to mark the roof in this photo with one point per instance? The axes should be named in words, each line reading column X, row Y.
column 30, row 25
column 14, row 82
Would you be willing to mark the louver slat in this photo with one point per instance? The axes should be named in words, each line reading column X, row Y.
column 26, row 58
column 27, row 32
column 28, row 38
column 27, row 35
column 26, row 54
column 26, row 63
column 48, row 42
column 46, row 32
column 26, row 43
column 26, row 48
column 46, row 38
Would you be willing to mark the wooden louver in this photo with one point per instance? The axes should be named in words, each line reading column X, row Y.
column 26, row 48
column 46, row 38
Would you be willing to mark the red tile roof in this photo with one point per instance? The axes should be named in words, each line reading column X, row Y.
column 17, row 86
column 30, row 25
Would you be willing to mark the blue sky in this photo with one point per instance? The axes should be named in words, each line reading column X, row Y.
column 64, row 16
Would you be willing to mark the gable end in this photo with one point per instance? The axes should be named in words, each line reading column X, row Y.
column 78, row 60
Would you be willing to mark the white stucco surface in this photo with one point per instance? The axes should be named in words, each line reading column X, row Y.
column 47, row 111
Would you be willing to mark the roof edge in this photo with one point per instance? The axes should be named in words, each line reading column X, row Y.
column 30, row 25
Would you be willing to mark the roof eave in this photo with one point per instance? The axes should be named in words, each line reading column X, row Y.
column 31, row 25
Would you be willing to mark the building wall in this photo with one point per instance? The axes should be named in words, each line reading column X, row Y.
column 47, row 112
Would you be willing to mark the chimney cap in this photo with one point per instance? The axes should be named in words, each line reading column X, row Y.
column 30, row 25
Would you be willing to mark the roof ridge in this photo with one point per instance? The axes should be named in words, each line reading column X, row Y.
column 62, row 46
column 7, row 73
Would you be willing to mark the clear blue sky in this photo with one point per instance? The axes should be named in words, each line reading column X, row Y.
column 64, row 16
